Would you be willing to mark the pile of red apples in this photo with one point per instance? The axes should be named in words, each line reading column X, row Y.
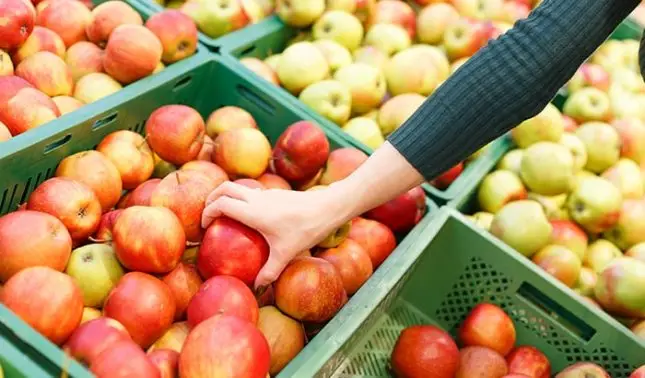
column 488, row 350
column 58, row 55
column 108, row 259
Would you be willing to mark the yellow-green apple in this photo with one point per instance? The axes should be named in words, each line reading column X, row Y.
column 464, row 37
column 352, row 262
column 95, row 170
column 388, row 38
column 143, row 304
column 580, row 176
column 18, row 25
column 499, row 188
column 402, row 213
column 627, row 177
column 365, row 130
column 618, row 287
column 130, row 154
column 511, row 161
column 90, row 313
column 261, row 69
column 4, row 133
column 148, row 239
column 570, row 235
column 545, row 126
column 602, row 143
column 177, row 33
column 47, row 300
column 331, row 98
column 547, row 168
column 339, row 26
column 66, row 104
column 216, row 18
column 341, row 163
column 73, row 202
column 583, row 369
column 222, row 295
column 588, row 104
column 31, row 238
column 599, row 254
column 375, row 238
column 6, row 65
column 586, row 282
column 577, row 149
column 176, row 133
column 366, row 84
column 273, row 181
column 228, row 117
column 41, row 39
column 286, row 337
column 95, row 86
column 103, row 233
column 173, row 338
column 630, row 228
column 394, row 12
column 128, row 358
column 131, row 53
column 185, row 192
column 560, row 262
column 513, row 11
column 636, row 251
column 272, row 61
column 482, row 219
column 301, row 65
column 184, row 282
column 300, row 152
column 553, row 205
column 211, row 170
column 47, row 72
column 595, row 204
column 166, row 361
column 300, row 13
column 522, row 225
column 162, row 167
column 108, row 16
column 371, row 55
column 67, row 18
column 242, row 152
column 160, row 67
column 412, row 71
column 480, row 9
column 625, row 79
column 96, row 271
column 570, row 125
column 639, row 331
column 589, row 75
column 28, row 109
column 632, row 137
column 336, row 54
column 363, row 9
column 395, row 111
column 83, row 58
column 433, row 20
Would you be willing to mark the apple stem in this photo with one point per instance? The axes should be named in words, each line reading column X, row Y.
column 190, row 244
column 177, row 175
column 93, row 240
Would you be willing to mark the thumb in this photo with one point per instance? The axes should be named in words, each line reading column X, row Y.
column 270, row 271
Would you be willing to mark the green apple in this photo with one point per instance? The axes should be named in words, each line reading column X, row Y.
column 588, row 104
column 547, row 168
column 482, row 219
column 366, row 131
column 301, row 65
column 599, row 254
column 300, row 13
column 627, row 177
column 366, row 83
column 625, row 104
column 630, row 228
column 397, row 110
column 96, row 271
column 581, row 175
column 331, row 98
column 372, row 56
column 412, row 71
column 272, row 61
column 547, row 125
column 595, row 204
column 523, row 226
column 586, row 282
column 512, row 161
column 637, row 251
column 499, row 188
column 336, row 237
column 577, row 149
column 336, row 54
column 216, row 17
column 602, row 143
column 389, row 38
column 339, row 26
column 553, row 206
column 619, row 289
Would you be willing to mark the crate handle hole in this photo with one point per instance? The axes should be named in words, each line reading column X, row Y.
column 57, row 144
column 247, row 50
column 181, row 83
column 104, row 121
column 256, row 99
column 562, row 315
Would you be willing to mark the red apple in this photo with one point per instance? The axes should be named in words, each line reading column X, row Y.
column 395, row 12
column 570, row 235
column 84, row 58
column 464, row 37
column 48, row 73
column 242, row 152
column 66, row 104
column 131, row 156
column 175, row 133
column 184, row 282
column 341, row 163
column 67, row 18
column 222, row 295
column 425, row 351
column 352, row 262
column 212, row 170
column 11, row 85
column 228, row 344
column 148, row 239
column 261, row 69
column 583, row 369
column 74, row 203
column 448, row 177
column 310, row 289
column 177, row 33
column 228, row 117
column 48, row 300
column 143, row 304
column 300, row 152
column 28, row 109
column 132, row 53
column 272, row 181
column 126, row 359
column 233, row 249
column 40, row 39
column 250, row 183
column 488, row 326
column 31, row 238
column 529, row 361
column 93, row 337
column 477, row 361
column 142, row 194
column 108, row 16
column 638, row 373
column 401, row 213
column 166, row 361
column 18, row 23
column 375, row 238
column 95, row 170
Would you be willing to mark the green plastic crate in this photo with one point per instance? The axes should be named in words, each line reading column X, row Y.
column 206, row 84
column 452, row 267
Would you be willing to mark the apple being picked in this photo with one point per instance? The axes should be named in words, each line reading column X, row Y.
column 425, row 350
column 300, row 152
column 401, row 213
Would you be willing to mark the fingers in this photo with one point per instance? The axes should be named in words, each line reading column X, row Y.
column 230, row 207
column 270, row 272
column 230, row 189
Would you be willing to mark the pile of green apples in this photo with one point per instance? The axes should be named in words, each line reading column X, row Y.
column 570, row 195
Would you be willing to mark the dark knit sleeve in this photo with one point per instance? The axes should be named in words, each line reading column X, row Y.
column 511, row 79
